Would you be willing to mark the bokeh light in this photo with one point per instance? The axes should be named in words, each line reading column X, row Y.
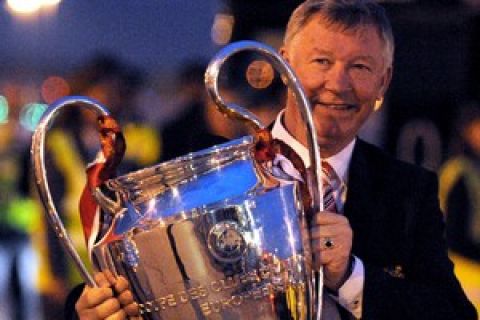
column 50, row 2
column 27, row 7
column 24, row 6
column 53, row 88
column 30, row 115
column 260, row 74
column 3, row 110
column 222, row 28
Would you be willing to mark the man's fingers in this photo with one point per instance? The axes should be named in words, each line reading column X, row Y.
column 132, row 310
column 323, row 231
column 109, row 276
column 125, row 297
column 112, row 299
column 321, row 244
column 119, row 315
column 97, row 303
column 120, row 284
column 108, row 308
column 92, row 297
column 321, row 259
column 336, row 234
column 98, row 296
column 101, row 280
column 326, row 218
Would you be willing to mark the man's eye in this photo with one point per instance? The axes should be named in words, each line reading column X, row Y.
column 322, row 61
column 362, row 67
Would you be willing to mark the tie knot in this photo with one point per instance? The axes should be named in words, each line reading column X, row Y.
column 330, row 182
column 330, row 176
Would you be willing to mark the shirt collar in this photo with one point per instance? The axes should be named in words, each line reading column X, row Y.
column 340, row 162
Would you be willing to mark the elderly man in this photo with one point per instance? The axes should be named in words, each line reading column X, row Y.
column 380, row 238
column 384, row 255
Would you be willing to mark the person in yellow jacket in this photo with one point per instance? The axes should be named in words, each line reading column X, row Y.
column 460, row 200
column 19, row 221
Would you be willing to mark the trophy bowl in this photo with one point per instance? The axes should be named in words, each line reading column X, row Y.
column 202, row 237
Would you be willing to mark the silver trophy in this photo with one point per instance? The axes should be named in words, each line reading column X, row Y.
column 214, row 234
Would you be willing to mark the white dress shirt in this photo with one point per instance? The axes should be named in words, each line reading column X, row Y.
column 350, row 294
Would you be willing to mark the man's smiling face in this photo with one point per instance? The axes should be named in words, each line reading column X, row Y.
column 343, row 73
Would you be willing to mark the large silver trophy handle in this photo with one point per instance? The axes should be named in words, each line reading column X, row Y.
column 38, row 161
column 237, row 112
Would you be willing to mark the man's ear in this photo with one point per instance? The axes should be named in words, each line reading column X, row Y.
column 385, row 82
column 284, row 53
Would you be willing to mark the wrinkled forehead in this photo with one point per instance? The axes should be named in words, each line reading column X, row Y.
column 361, row 28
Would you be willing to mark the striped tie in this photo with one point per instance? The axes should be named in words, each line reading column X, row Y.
column 330, row 181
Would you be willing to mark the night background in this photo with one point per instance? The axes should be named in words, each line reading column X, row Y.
column 145, row 60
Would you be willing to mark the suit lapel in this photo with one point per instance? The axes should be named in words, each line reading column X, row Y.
column 361, row 204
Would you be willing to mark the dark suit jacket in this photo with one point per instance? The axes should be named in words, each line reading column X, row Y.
column 397, row 225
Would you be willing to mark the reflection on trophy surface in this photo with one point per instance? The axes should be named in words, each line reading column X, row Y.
column 231, row 258
column 215, row 234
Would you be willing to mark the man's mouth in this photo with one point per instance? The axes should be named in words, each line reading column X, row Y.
column 336, row 106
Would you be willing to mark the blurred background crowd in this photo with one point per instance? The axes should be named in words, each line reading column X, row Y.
column 145, row 61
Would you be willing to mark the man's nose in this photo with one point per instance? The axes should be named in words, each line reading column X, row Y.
column 337, row 79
